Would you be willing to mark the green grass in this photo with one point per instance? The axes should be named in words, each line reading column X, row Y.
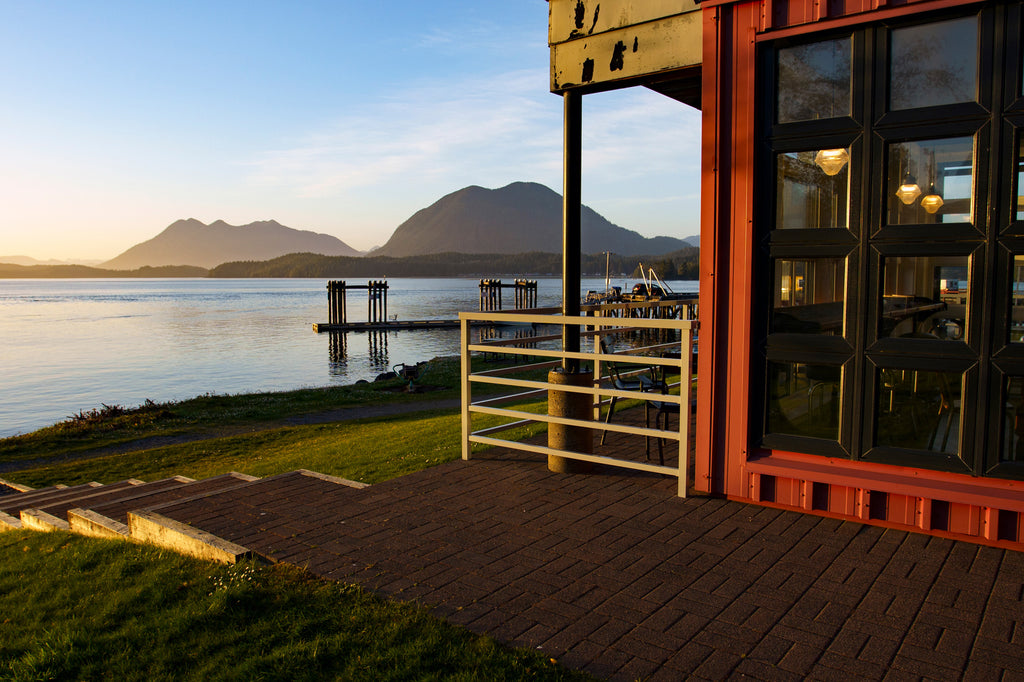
column 86, row 609
column 370, row 450
column 110, row 425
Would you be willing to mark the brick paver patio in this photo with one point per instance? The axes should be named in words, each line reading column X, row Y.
column 612, row 573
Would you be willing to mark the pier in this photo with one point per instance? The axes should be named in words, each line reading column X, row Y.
column 377, row 318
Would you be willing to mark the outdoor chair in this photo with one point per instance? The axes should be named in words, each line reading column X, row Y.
column 663, row 408
column 640, row 382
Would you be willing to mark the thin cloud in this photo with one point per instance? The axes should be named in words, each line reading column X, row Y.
column 426, row 132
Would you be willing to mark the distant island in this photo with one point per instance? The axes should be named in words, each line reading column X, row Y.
column 11, row 271
column 682, row 264
column 513, row 230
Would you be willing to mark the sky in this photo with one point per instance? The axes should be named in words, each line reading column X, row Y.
column 119, row 117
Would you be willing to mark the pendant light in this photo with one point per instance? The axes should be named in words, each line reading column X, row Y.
column 831, row 160
column 909, row 190
column 932, row 202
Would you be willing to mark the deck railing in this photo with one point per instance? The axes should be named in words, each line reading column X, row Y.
column 542, row 352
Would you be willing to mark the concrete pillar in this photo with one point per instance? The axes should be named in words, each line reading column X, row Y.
column 570, row 406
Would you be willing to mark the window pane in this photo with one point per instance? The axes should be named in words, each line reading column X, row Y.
column 809, row 296
column 804, row 400
column 1013, row 421
column 807, row 196
column 919, row 409
column 1017, row 302
column 1020, row 178
column 925, row 297
column 814, row 81
column 934, row 64
column 931, row 181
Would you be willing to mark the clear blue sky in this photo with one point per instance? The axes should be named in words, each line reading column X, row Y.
column 119, row 117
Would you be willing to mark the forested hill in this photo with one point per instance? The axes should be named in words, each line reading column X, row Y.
column 520, row 217
column 682, row 264
column 12, row 271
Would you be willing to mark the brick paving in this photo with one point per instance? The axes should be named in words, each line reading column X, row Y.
column 613, row 574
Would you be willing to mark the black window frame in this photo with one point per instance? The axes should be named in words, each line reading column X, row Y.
column 995, row 122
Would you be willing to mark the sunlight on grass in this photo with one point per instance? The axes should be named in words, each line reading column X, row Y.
column 99, row 609
column 370, row 451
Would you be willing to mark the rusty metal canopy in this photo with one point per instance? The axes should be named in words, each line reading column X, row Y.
column 606, row 44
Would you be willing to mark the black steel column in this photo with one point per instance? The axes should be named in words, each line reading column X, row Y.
column 572, row 200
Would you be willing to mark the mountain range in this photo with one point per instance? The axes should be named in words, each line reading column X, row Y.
column 190, row 242
column 518, row 218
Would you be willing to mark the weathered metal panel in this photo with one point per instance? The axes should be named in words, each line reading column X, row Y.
column 627, row 53
column 571, row 19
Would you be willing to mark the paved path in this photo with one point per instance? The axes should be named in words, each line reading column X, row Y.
column 613, row 574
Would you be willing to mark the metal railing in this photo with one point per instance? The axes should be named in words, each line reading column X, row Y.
column 542, row 352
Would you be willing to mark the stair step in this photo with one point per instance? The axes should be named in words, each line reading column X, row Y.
column 107, row 494
column 13, row 504
column 34, row 519
column 109, row 518
column 8, row 488
column 254, row 517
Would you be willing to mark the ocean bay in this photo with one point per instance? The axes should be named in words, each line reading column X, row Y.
column 72, row 345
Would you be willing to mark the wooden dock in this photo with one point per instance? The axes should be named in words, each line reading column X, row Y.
column 384, row 326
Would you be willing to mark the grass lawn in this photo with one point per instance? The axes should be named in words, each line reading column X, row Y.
column 75, row 608
column 80, row 608
column 369, row 450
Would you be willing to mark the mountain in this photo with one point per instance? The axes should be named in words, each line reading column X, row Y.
column 190, row 242
column 518, row 218
column 29, row 260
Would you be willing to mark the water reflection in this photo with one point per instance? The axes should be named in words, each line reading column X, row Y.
column 337, row 353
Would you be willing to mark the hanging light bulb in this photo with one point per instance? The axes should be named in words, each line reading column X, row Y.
column 932, row 202
column 909, row 190
column 831, row 160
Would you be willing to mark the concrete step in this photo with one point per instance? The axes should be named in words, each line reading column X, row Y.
column 58, row 510
column 109, row 518
column 33, row 518
column 12, row 504
column 255, row 518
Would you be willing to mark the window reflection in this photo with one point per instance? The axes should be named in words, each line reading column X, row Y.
column 934, row 64
column 931, row 181
column 925, row 297
column 919, row 409
column 1020, row 178
column 1017, row 301
column 807, row 196
column 809, row 296
column 804, row 400
column 814, row 81
column 1013, row 421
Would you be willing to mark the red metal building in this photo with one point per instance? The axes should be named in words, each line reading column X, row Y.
column 862, row 295
column 862, row 234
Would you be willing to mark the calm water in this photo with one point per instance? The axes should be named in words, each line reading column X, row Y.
column 72, row 345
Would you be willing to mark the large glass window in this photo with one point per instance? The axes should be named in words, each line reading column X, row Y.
column 919, row 410
column 891, row 197
column 813, row 189
column 815, row 81
column 931, row 181
column 809, row 296
column 804, row 399
column 1017, row 301
column 934, row 64
column 1013, row 421
column 924, row 297
column 1019, row 192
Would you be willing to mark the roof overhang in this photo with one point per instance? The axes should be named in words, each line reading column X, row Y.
column 607, row 44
